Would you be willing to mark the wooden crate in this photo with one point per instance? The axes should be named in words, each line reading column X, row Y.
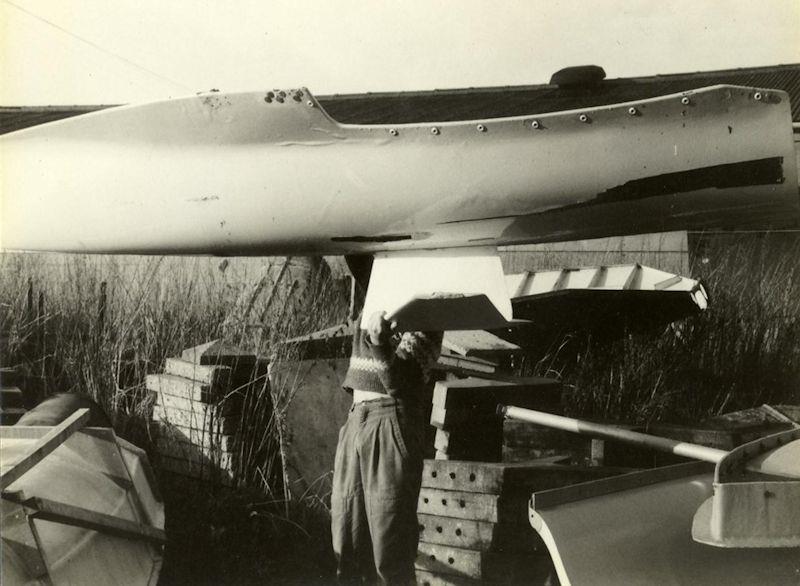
column 473, row 520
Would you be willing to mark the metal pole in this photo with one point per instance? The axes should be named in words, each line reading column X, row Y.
column 687, row 450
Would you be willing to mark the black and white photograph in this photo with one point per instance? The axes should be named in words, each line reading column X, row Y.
column 436, row 293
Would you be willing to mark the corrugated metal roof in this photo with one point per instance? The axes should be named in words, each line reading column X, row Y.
column 480, row 103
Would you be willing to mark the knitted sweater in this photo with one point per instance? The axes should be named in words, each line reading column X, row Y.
column 400, row 367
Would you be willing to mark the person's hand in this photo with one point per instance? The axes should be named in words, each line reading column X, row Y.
column 379, row 328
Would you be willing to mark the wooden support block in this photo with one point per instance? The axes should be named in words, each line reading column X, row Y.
column 213, row 375
column 441, row 455
column 472, row 505
column 498, row 478
column 484, row 566
column 479, row 535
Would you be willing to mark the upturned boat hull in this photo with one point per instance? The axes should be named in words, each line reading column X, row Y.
column 272, row 173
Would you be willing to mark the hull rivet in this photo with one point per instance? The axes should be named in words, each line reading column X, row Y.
column 434, row 130
column 583, row 118
column 757, row 96
column 685, row 100
column 633, row 111
column 536, row 125
column 393, row 132
column 481, row 128
column 310, row 104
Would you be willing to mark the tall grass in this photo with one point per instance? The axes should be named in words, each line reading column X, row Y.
column 742, row 352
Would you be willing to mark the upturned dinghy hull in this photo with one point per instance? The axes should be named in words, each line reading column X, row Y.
column 272, row 173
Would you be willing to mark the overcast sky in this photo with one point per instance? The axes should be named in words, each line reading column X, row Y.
column 122, row 51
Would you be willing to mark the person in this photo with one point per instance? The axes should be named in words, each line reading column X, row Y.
column 378, row 466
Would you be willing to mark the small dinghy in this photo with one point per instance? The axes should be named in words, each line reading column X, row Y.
column 79, row 506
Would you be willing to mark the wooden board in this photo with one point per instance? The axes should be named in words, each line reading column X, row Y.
column 212, row 375
column 230, row 405
column 201, row 437
column 486, row 394
column 478, row 343
column 318, row 409
column 198, row 419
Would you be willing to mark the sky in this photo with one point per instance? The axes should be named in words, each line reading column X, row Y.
column 127, row 51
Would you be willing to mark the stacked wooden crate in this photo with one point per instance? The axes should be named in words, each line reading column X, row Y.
column 198, row 408
column 464, row 413
column 473, row 521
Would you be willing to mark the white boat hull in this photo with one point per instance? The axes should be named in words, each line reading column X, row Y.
column 245, row 174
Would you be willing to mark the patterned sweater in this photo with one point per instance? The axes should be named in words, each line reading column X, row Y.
column 400, row 367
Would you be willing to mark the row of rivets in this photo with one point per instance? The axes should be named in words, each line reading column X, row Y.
column 435, row 129
column 536, row 124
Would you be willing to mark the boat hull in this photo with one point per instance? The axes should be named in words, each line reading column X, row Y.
column 249, row 174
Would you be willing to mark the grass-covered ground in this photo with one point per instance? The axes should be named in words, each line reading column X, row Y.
column 98, row 325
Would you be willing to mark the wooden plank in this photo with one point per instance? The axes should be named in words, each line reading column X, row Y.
column 496, row 478
column 56, row 512
column 585, row 490
column 227, row 406
column 213, row 375
column 478, row 343
column 471, row 364
column 44, row 446
column 479, row 535
column 473, row 505
column 477, row 565
column 178, row 386
column 202, row 437
column 483, row 393
column 195, row 419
